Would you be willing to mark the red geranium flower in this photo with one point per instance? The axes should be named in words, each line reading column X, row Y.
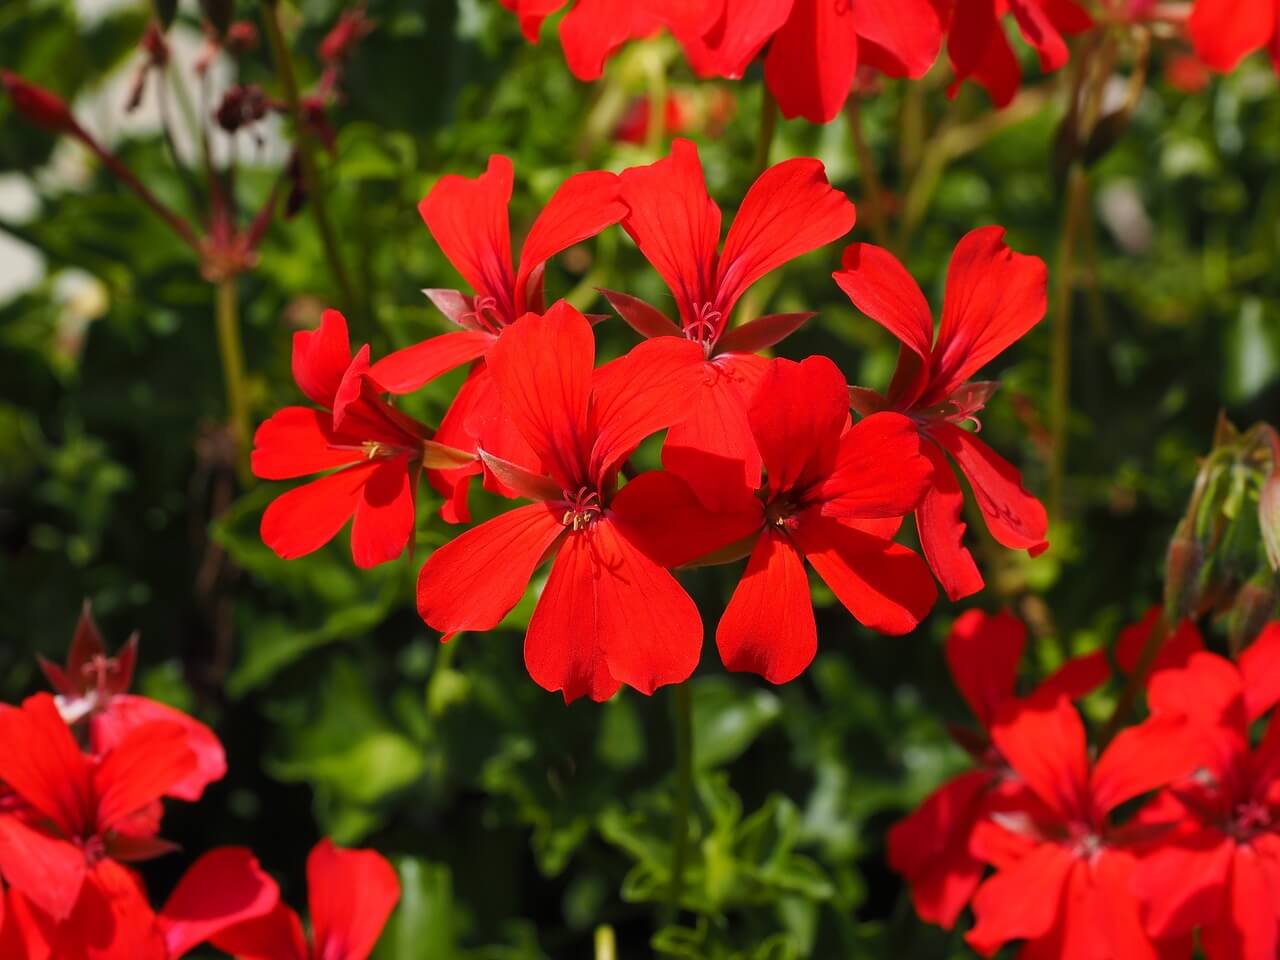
column 381, row 450
column 790, row 210
column 351, row 894
column 591, row 32
column 82, row 818
column 468, row 219
column 609, row 614
column 1174, row 650
column 1063, row 870
column 1224, row 32
column 1220, row 870
column 994, row 296
column 979, row 48
column 815, row 46
column 94, row 687
column 930, row 848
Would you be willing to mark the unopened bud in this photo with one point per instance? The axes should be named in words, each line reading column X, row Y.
column 1269, row 517
column 37, row 105
column 1256, row 605
column 1182, row 568
column 242, row 37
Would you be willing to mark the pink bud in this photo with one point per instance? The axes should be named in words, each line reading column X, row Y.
column 38, row 105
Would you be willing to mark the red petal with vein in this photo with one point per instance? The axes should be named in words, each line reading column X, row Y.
column 735, row 39
column 468, row 219
column 1249, row 928
column 761, row 333
column 1045, row 745
column 886, row 586
column 351, row 895
column 148, row 762
column 994, row 296
column 304, row 519
column 879, row 471
column 593, row 30
column 224, row 887
column 1260, row 668
column 351, row 386
column 126, row 712
column 713, row 449
column 1021, row 902
column 111, row 921
column 984, row 49
column 471, row 406
column 660, row 514
column 472, row 582
column 768, row 626
column 321, row 357
column 384, row 514
column 1038, row 30
column 410, row 369
column 1224, row 32
column 930, row 849
column 880, row 286
column 1015, row 518
column 905, row 33
column 983, row 654
column 1076, row 678
column 797, row 416
column 1182, row 883
column 1141, row 759
column 676, row 224
column 542, row 368
column 647, row 626
column 49, row 871
column 790, row 210
column 645, row 319
column 940, row 524
column 276, row 936
column 1175, row 650
column 1209, row 690
column 584, row 205
column 639, row 394
column 812, row 60
column 562, row 647
column 42, row 764
column 297, row 442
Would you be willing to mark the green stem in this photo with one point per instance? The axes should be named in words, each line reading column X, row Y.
column 768, row 127
column 606, row 944
column 306, row 153
column 1137, row 680
column 683, row 719
column 870, row 174
column 1060, row 363
column 233, row 375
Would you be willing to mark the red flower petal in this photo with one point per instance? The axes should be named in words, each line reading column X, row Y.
column 42, row 764
column 727, row 47
column 978, row 48
column 225, row 887
column 468, row 219
column 305, row 518
column 47, row 870
column 812, row 60
column 384, row 514
column 905, row 35
column 994, row 296
column 983, row 654
column 277, row 935
column 879, row 471
column 1175, row 650
column 1076, row 678
column 676, row 225
column 939, row 521
column 472, row 582
column 297, row 442
column 594, row 29
column 147, row 763
column 1045, row 745
column 1260, row 668
column 659, row 513
column 635, row 396
column 886, row 586
column 584, row 205
column 1021, row 902
column 1015, row 518
column 790, row 210
column 1182, row 883
column 768, row 626
column 880, row 286
column 351, row 894
column 321, row 357
column 713, row 448
column 125, row 712
column 542, row 368
column 1250, row 927
column 409, row 369
column 1141, row 759
column 798, row 416
column 1224, row 32
column 931, row 849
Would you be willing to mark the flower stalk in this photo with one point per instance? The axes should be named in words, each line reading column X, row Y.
column 231, row 353
column 682, row 703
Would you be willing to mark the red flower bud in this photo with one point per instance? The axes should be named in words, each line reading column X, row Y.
column 38, row 105
column 242, row 37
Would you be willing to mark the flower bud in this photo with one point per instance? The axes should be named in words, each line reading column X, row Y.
column 37, row 105
column 242, row 37
column 1256, row 605
column 1183, row 564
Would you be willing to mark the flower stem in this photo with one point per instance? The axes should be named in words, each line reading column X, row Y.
column 232, row 353
column 873, row 189
column 606, row 944
column 768, row 127
column 306, row 153
column 683, row 719
column 1060, row 362
column 1137, row 680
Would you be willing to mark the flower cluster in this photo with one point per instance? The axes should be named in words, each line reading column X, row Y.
column 1071, row 875
column 761, row 458
column 83, row 780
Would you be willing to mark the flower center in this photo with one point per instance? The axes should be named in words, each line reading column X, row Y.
column 1249, row 819
column 485, row 315
column 705, row 326
column 376, row 448
column 584, row 509
column 94, row 850
column 782, row 514
column 1084, row 841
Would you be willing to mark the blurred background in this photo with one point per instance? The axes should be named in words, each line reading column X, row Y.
column 519, row 825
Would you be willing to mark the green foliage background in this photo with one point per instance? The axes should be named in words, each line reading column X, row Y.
column 520, row 825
